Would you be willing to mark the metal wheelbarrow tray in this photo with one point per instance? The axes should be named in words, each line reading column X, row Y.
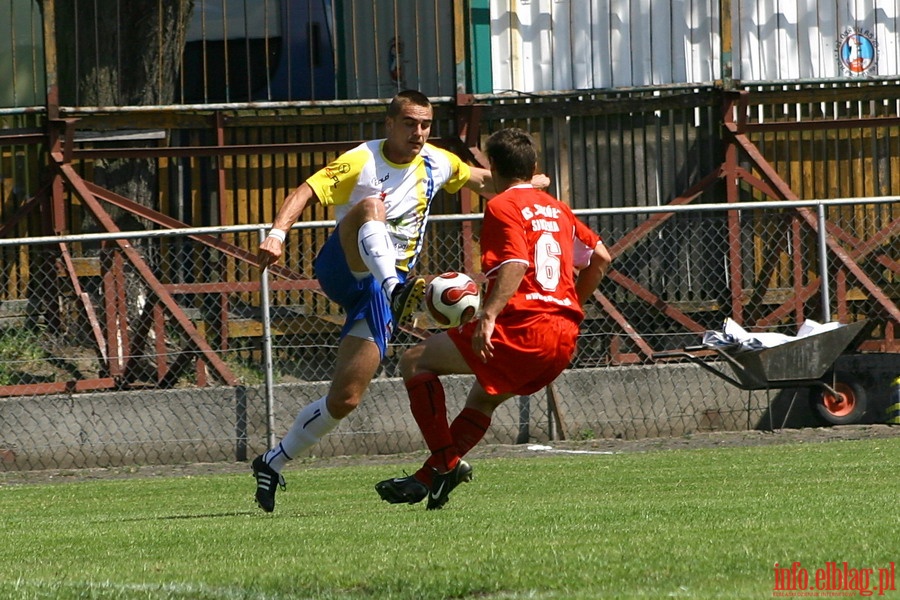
column 797, row 363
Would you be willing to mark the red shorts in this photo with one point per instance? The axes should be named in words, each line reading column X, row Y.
column 528, row 353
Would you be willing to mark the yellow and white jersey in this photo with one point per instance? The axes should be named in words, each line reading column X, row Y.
column 407, row 189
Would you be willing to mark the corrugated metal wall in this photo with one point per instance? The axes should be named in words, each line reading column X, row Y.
column 541, row 45
column 806, row 39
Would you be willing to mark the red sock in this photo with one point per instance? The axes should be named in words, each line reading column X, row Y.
column 467, row 429
column 429, row 409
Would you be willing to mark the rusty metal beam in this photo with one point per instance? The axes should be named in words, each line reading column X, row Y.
column 630, row 239
column 806, row 292
column 85, row 303
column 653, row 300
column 61, row 387
column 171, row 223
column 116, row 310
column 177, row 313
column 786, row 193
column 646, row 227
column 862, row 248
column 755, row 182
column 27, row 207
column 614, row 313
column 468, row 124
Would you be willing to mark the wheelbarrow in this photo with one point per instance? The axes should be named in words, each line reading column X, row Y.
column 799, row 363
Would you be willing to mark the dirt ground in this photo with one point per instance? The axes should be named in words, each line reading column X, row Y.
column 721, row 439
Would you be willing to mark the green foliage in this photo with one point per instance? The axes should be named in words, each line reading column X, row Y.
column 685, row 524
column 18, row 343
column 585, row 434
column 19, row 347
column 247, row 372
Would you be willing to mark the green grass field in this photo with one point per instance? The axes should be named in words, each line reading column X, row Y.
column 685, row 524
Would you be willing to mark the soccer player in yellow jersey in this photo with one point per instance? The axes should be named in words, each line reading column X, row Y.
column 382, row 191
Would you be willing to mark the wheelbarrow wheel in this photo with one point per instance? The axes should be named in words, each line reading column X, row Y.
column 845, row 408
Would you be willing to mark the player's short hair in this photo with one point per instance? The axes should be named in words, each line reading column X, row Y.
column 512, row 153
column 405, row 98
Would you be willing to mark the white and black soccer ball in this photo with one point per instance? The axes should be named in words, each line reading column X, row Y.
column 452, row 299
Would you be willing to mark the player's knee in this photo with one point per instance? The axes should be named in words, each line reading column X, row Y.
column 409, row 362
column 339, row 406
column 488, row 404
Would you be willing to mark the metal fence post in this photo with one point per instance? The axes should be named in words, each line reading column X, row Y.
column 823, row 265
column 240, row 423
column 267, row 350
column 524, row 420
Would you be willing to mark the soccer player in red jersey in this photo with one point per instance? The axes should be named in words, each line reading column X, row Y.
column 542, row 265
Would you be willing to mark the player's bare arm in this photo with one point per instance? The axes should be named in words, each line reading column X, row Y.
column 272, row 248
column 540, row 181
column 509, row 276
column 590, row 277
column 481, row 182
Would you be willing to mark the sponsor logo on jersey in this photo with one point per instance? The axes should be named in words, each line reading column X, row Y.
column 335, row 171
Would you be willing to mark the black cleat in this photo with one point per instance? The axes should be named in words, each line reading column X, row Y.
column 267, row 482
column 402, row 490
column 405, row 299
column 444, row 483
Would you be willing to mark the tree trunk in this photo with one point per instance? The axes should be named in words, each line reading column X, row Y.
column 121, row 53
column 115, row 53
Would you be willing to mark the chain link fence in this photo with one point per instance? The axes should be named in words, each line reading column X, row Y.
column 152, row 347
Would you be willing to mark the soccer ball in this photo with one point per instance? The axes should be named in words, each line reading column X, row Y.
column 452, row 299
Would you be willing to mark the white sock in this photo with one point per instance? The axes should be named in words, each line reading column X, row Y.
column 312, row 424
column 377, row 251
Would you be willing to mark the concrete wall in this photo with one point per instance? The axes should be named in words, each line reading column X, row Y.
column 227, row 424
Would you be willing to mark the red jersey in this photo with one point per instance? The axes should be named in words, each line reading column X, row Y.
column 529, row 226
column 536, row 332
